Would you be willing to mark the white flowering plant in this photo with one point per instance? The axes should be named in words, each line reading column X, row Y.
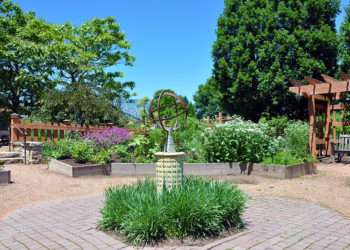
column 239, row 141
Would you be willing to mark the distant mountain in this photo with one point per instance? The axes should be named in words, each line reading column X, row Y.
column 131, row 109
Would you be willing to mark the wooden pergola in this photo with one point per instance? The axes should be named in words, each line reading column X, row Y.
column 322, row 96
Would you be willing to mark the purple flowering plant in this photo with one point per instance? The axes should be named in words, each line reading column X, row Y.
column 109, row 137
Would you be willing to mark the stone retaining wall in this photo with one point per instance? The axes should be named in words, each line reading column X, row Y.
column 217, row 169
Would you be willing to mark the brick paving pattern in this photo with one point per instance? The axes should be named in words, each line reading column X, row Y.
column 271, row 223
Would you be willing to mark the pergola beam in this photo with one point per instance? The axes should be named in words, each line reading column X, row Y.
column 317, row 87
column 331, row 80
column 322, row 88
column 312, row 81
column 297, row 83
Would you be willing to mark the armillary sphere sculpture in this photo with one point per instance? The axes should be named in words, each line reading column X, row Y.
column 168, row 111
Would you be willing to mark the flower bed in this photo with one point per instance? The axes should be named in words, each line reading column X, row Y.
column 238, row 141
column 88, row 155
column 197, row 209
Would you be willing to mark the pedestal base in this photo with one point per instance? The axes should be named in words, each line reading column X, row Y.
column 169, row 170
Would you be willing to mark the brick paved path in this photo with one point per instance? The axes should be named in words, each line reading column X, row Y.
column 272, row 223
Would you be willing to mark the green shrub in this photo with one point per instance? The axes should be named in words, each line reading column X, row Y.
column 143, row 148
column 81, row 151
column 282, row 158
column 239, row 141
column 58, row 150
column 102, row 156
column 199, row 208
column 297, row 139
column 276, row 125
column 121, row 151
column 190, row 140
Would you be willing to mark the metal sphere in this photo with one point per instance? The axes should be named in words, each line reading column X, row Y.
column 177, row 104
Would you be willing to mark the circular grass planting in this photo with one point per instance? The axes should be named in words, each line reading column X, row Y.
column 199, row 209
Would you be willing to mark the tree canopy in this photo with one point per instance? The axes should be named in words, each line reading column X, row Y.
column 80, row 104
column 45, row 68
column 24, row 71
column 260, row 45
column 89, row 55
column 208, row 99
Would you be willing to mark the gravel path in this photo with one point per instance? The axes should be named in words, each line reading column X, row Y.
column 34, row 183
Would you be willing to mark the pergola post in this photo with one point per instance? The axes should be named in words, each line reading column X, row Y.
column 328, row 127
column 312, row 125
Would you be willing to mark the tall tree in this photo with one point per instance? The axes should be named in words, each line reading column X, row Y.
column 24, row 69
column 344, row 43
column 85, row 60
column 89, row 55
column 261, row 44
column 79, row 104
column 208, row 99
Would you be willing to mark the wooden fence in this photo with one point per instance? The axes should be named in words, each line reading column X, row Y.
column 21, row 130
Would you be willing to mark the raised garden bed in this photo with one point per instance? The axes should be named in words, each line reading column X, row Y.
column 5, row 176
column 218, row 169
column 71, row 168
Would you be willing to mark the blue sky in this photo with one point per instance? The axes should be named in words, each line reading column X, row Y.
column 171, row 39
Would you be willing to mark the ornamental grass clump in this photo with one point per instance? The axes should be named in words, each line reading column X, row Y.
column 198, row 209
column 109, row 137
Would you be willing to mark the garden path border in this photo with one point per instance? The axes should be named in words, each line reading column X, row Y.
column 271, row 223
column 217, row 169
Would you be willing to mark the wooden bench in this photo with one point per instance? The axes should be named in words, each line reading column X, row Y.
column 341, row 147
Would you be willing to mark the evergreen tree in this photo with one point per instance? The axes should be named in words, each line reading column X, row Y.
column 260, row 45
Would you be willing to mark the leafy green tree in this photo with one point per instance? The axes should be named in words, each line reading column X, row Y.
column 260, row 45
column 89, row 54
column 40, row 60
column 78, row 104
column 344, row 43
column 207, row 99
column 144, row 106
column 85, row 61
column 24, row 68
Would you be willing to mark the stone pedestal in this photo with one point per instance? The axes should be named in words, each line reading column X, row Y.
column 169, row 170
